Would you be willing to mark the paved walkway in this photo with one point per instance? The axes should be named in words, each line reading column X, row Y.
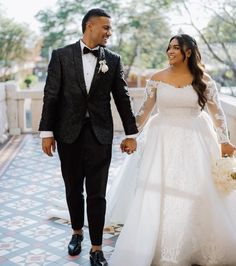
column 28, row 182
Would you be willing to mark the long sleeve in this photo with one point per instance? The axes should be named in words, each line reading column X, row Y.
column 216, row 111
column 51, row 93
column 147, row 105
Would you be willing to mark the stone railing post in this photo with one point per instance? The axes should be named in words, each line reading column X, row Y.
column 3, row 114
column 12, row 108
column 36, row 108
column 229, row 107
column 17, row 100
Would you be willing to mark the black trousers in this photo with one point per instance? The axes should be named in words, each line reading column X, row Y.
column 86, row 160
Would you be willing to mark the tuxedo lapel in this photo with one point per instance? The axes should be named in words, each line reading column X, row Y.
column 79, row 67
column 96, row 75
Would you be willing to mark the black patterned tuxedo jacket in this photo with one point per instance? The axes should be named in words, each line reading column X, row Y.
column 66, row 100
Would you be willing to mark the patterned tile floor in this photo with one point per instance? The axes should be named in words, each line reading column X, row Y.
column 28, row 181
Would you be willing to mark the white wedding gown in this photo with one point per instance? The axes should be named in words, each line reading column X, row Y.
column 165, row 194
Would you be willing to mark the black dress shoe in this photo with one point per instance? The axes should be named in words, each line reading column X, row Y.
column 74, row 247
column 97, row 258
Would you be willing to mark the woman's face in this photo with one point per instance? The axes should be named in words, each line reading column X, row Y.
column 174, row 53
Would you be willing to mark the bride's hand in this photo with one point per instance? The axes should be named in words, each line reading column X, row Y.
column 128, row 145
column 228, row 149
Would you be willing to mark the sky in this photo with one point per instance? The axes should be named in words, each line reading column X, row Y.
column 24, row 11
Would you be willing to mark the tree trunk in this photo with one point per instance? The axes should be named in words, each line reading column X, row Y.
column 131, row 62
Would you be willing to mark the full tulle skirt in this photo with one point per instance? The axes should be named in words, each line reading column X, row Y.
column 166, row 197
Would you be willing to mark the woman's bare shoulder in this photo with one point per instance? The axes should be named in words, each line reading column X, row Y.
column 159, row 75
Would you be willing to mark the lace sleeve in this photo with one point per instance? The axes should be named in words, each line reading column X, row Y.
column 216, row 111
column 147, row 105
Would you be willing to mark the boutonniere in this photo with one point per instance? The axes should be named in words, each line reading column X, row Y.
column 103, row 66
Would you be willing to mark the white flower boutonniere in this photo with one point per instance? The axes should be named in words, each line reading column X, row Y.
column 103, row 66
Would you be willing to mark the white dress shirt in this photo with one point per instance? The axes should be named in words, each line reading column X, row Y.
column 89, row 64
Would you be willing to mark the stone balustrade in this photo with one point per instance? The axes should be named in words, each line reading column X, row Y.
column 23, row 106
column 229, row 106
column 20, row 110
column 3, row 114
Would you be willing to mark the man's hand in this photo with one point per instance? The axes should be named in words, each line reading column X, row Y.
column 128, row 145
column 228, row 149
column 48, row 145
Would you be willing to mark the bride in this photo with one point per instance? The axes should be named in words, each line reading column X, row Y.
column 165, row 194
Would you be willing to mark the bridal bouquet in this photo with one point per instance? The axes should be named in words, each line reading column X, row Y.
column 224, row 174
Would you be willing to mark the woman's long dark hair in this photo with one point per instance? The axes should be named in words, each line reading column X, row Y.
column 195, row 65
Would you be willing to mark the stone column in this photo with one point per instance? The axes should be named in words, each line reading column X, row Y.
column 12, row 108
column 229, row 107
column 36, row 109
column 3, row 114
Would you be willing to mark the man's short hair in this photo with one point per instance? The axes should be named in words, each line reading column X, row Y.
column 96, row 12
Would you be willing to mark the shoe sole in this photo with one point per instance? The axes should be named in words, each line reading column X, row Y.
column 74, row 253
column 94, row 264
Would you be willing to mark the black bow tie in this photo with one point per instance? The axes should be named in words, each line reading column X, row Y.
column 86, row 50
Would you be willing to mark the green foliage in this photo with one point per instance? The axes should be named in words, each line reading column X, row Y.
column 220, row 38
column 59, row 26
column 222, row 27
column 63, row 25
column 13, row 41
column 29, row 81
column 15, row 45
column 142, row 35
column 137, row 25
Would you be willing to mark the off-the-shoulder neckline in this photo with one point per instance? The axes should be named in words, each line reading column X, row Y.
column 173, row 86
column 168, row 84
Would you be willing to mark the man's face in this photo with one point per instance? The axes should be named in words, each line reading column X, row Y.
column 99, row 30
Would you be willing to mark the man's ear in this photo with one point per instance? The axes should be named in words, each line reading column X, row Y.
column 89, row 25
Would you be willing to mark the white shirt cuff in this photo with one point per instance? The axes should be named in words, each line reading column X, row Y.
column 133, row 136
column 46, row 134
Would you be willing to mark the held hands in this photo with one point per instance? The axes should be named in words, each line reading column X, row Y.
column 128, row 145
column 228, row 149
column 49, row 145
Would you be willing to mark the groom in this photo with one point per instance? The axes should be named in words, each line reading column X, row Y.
column 76, row 113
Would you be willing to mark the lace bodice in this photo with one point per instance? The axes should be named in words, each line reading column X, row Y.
column 181, row 102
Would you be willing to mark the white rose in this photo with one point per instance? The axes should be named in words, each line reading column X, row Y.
column 103, row 66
